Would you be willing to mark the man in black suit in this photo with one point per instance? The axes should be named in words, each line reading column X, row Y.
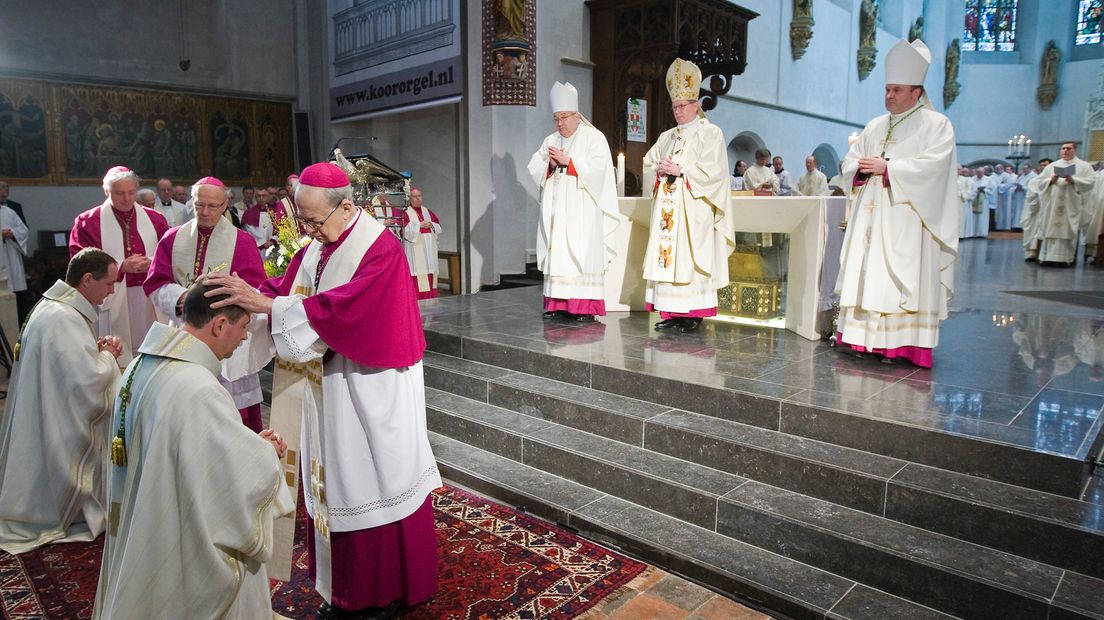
column 13, row 205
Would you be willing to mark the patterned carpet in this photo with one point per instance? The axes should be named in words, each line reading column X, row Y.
column 494, row 563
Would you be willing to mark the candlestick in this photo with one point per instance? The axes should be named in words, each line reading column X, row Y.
column 621, row 174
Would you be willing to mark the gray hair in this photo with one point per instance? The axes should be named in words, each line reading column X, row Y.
column 334, row 195
column 195, row 190
column 145, row 191
column 119, row 173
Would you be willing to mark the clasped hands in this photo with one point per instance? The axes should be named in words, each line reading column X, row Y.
column 136, row 263
column 276, row 440
column 874, row 166
column 668, row 167
column 111, row 344
column 558, row 156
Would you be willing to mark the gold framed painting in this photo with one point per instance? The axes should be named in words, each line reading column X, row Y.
column 56, row 133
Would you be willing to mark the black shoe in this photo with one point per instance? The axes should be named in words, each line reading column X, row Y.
column 689, row 325
column 552, row 314
column 584, row 318
column 667, row 324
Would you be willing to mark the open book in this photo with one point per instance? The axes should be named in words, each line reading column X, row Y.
column 1065, row 171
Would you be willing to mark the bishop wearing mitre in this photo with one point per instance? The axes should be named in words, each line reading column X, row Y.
column 579, row 215
column 691, row 231
column 897, row 262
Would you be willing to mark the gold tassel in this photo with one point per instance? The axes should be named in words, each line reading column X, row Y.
column 15, row 351
column 118, row 451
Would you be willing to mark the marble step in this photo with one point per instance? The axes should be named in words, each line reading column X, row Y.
column 771, row 406
column 932, row 569
column 669, row 485
column 1041, row 526
column 750, row 574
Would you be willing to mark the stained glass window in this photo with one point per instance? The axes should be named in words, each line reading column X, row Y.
column 1089, row 22
column 991, row 26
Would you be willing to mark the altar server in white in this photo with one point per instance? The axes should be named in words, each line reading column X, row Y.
column 692, row 230
column 53, row 435
column 575, row 172
column 897, row 263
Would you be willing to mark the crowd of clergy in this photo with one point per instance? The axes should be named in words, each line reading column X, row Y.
column 149, row 349
column 135, row 401
column 1057, row 204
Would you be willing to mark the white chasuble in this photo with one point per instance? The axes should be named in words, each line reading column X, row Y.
column 812, row 184
column 897, row 262
column 125, row 313
column 1062, row 203
column 366, row 459
column 192, row 511
column 691, row 231
column 421, row 246
column 579, row 214
column 54, row 431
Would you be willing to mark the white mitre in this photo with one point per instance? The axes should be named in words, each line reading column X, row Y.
column 564, row 98
column 907, row 63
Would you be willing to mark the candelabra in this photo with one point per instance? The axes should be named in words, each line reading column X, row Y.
column 1019, row 148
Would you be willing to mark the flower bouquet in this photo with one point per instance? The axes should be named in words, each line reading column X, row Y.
column 289, row 240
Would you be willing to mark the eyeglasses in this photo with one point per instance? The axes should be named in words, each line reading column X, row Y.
column 316, row 226
column 211, row 207
column 679, row 107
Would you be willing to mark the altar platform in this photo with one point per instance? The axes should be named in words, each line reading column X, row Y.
column 791, row 476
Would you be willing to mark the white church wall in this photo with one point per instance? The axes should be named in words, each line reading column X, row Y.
column 797, row 105
column 142, row 44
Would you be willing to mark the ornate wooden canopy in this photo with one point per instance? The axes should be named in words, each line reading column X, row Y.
column 632, row 42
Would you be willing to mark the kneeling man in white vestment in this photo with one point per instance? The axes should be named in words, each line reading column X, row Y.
column 53, row 436
column 193, row 493
column 897, row 262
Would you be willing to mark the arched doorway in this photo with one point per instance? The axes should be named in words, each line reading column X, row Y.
column 743, row 147
column 827, row 160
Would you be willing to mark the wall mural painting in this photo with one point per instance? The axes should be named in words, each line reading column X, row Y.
column 509, row 52
column 273, row 139
column 230, row 143
column 23, row 136
column 54, row 133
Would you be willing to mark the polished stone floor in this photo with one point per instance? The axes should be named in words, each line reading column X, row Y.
column 1018, row 369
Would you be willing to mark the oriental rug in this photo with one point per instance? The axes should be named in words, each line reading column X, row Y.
column 494, row 563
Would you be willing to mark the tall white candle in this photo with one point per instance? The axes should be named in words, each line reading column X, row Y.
column 621, row 174
column 853, row 138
